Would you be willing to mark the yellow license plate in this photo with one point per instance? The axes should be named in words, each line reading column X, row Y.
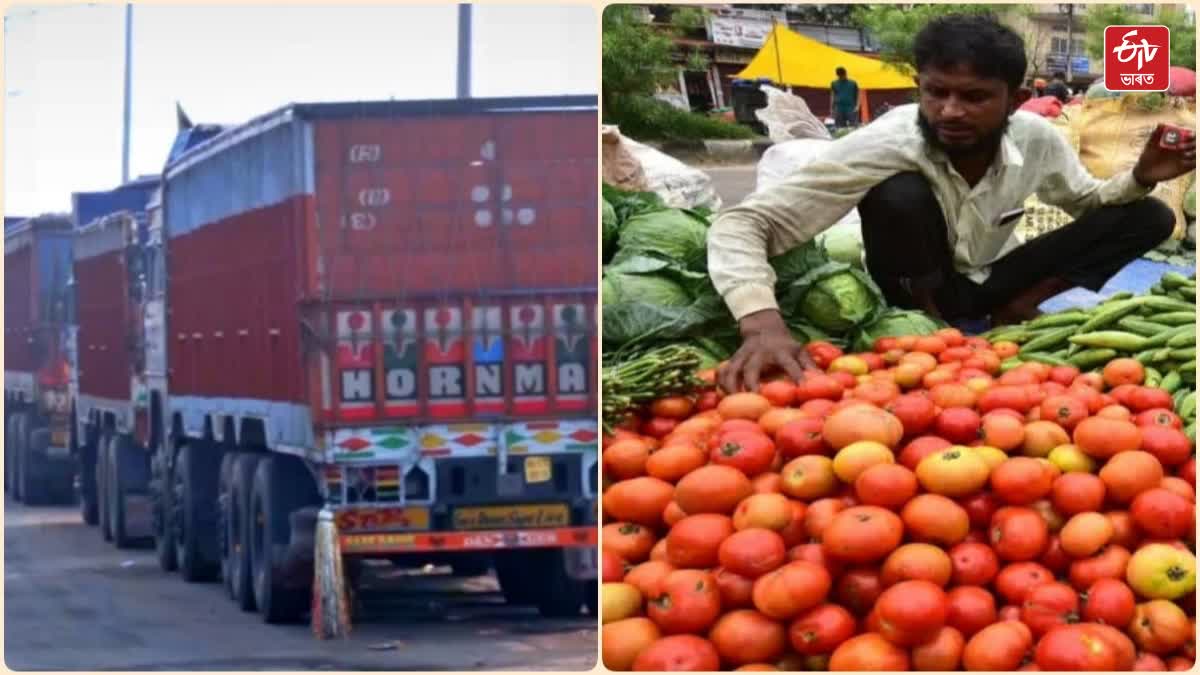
column 59, row 439
column 537, row 469
column 500, row 517
column 399, row 519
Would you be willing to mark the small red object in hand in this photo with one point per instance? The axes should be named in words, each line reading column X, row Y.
column 1173, row 136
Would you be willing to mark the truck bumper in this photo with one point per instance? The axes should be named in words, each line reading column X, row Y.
column 380, row 543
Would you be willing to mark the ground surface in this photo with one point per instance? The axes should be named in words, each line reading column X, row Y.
column 73, row 602
column 732, row 182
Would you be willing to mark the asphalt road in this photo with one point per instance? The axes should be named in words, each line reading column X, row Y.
column 74, row 602
column 732, row 183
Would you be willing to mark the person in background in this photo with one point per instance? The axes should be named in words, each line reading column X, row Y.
column 940, row 186
column 1039, row 88
column 843, row 100
column 1058, row 87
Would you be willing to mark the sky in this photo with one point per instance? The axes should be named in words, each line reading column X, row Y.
column 63, row 74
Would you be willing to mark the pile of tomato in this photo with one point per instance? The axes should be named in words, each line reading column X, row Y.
column 914, row 508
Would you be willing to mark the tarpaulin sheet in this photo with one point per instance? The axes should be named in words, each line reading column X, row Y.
column 793, row 59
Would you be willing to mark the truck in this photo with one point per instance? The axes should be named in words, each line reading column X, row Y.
column 386, row 310
column 38, row 466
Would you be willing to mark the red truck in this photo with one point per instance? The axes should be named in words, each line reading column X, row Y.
column 38, row 466
column 387, row 309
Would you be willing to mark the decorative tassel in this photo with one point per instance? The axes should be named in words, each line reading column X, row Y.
column 330, row 603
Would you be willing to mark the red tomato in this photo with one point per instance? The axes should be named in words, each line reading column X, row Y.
column 1000, row 646
column 1158, row 417
column 1049, row 605
column 821, row 629
column 980, row 508
column 970, row 609
column 1170, row 445
column 1016, row 580
column 1018, row 533
column 801, row 437
column 915, row 412
column 974, row 564
column 1109, row 601
column 750, row 452
column 690, row 602
column 919, row 448
column 911, row 612
column 958, row 425
column 1148, row 398
column 819, row 387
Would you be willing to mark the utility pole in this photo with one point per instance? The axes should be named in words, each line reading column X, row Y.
column 464, row 50
column 1070, row 39
column 128, row 82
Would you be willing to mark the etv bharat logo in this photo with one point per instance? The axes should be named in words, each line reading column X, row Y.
column 1137, row 58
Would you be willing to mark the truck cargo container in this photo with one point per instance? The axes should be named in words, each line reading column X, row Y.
column 386, row 309
column 37, row 328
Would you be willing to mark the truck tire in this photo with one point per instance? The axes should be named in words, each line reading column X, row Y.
column 20, row 440
column 35, row 486
column 122, row 479
column 241, row 586
column 10, row 455
column 517, row 578
column 194, row 516
column 161, row 504
column 88, row 510
column 223, row 506
column 471, row 565
column 101, row 472
column 558, row 595
column 278, row 490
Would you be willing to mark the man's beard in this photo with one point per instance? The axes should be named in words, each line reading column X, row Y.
column 988, row 143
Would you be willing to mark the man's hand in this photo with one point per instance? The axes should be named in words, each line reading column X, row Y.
column 1158, row 164
column 766, row 341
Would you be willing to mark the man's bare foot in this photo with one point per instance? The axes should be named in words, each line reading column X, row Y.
column 1024, row 307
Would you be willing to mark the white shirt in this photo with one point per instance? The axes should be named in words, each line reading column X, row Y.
column 1033, row 157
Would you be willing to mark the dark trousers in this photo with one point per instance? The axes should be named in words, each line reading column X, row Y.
column 907, row 249
column 844, row 118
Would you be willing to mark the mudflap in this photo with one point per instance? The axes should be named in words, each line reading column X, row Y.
column 580, row 563
column 297, row 567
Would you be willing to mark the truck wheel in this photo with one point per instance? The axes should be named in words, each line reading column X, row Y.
column 469, row 565
column 223, row 506
column 88, row 510
column 10, row 455
column 239, row 531
column 194, row 516
column 102, row 485
column 276, row 493
column 34, row 466
column 121, row 477
column 161, row 503
column 558, row 595
column 516, row 577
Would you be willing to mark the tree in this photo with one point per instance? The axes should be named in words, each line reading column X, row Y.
column 1183, row 30
column 1034, row 34
column 636, row 56
column 895, row 27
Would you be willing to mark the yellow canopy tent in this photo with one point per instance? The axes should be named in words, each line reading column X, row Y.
column 793, row 59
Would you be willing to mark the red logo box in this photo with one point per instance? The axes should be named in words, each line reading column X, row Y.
column 1137, row 58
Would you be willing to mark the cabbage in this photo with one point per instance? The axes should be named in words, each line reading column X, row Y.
column 670, row 234
column 835, row 297
column 893, row 323
column 611, row 230
column 654, row 289
column 843, row 243
column 791, row 265
column 628, row 204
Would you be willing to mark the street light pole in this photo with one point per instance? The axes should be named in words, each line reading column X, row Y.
column 1070, row 39
column 128, row 82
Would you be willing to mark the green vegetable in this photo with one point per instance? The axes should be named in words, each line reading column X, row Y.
column 1176, row 318
column 671, row 234
column 1092, row 357
column 1109, row 314
column 1117, row 297
column 1174, row 280
column 611, row 230
column 1166, row 304
column 1010, row 363
column 629, row 204
column 661, row 372
column 1142, row 327
column 835, row 297
column 1044, row 342
column 655, row 289
column 793, row 264
column 1169, row 382
column 1187, row 407
column 894, row 322
column 1059, row 319
column 1111, row 339
column 1153, row 377
column 1184, row 354
column 1183, row 338
column 843, row 243
column 1048, row 359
